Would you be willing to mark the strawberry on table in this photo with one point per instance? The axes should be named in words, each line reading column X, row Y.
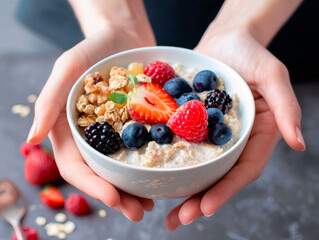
column 77, row 205
column 151, row 104
column 51, row 197
column 40, row 168
column 29, row 233
column 160, row 72
column 190, row 121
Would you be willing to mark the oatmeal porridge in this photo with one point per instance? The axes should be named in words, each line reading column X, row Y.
column 138, row 117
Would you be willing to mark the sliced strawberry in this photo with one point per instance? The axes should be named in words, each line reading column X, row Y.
column 150, row 103
column 51, row 197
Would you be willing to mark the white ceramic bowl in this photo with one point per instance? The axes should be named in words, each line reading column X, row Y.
column 173, row 182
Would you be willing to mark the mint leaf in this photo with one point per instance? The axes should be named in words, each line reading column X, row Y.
column 118, row 98
column 133, row 79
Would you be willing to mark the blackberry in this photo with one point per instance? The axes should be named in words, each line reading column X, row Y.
column 103, row 137
column 219, row 99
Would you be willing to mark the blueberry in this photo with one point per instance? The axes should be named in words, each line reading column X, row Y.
column 220, row 134
column 204, row 81
column 177, row 86
column 214, row 116
column 187, row 97
column 135, row 135
column 161, row 134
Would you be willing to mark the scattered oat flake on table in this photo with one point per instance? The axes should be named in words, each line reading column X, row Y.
column 22, row 110
column 60, row 217
column 62, row 235
column 69, row 227
column 102, row 213
column 32, row 98
column 40, row 221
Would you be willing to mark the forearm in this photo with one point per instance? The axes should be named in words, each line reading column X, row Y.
column 97, row 15
column 263, row 18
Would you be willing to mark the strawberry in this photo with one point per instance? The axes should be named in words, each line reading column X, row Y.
column 190, row 121
column 40, row 168
column 30, row 234
column 151, row 104
column 26, row 148
column 160, row 72
column 51, row 197
column 77, row 204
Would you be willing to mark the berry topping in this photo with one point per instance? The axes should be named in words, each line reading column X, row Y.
column 40, row 168
column 151, row 104
column 219, row 99
column 220, row 134
column 135, row 136
column 160, row 72
column 190, row 121
column 51, row 197
column 186, row 97
column 29, row 233
column 77, row 204
column 103, row 137
column 177, row 86
column 135, row 68
column 204, row 81
column 26, row 148
column 214, row 116
column 161, row 134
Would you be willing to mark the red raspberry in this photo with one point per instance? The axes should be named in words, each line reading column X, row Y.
column 40, row 168
column 190, row 121
column 26, row 148
column 30, row 234
column 77, row 204
column 160, row 72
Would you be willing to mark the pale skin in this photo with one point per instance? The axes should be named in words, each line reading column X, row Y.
column 238, row 36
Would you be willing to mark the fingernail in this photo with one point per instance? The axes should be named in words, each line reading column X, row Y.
column 300, row 138
column 32, row 132
column 192, row 220
column 209, row 215
column 120, row 210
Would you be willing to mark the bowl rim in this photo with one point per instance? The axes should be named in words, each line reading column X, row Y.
column 77, row 135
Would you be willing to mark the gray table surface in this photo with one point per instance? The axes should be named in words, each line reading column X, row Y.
column 281, row 204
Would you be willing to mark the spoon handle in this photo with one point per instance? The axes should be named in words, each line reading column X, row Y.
column 17, row 229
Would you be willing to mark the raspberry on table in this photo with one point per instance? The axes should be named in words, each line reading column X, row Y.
column 190, row 121
column 160, row 72
column 103, row 137
column 29, row 233
column 77, row 205
column 219, row 99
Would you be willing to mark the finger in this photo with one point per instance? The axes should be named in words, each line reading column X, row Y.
column 52, row 99
column 277, row 90
column 74, row 170
column 146, row 203
column 172, row 220
column 190, row 210
column 130, row 207
column 248, row 168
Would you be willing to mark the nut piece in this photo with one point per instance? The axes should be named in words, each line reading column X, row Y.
column 81, row 103
column 118, row 78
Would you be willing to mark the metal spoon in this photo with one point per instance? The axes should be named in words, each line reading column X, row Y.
column 12, row 206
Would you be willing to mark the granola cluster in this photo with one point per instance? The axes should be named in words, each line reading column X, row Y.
column 95, row 106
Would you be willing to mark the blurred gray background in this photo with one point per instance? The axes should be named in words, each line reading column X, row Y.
column 281, row 204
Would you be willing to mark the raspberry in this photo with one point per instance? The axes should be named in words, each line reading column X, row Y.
column 30, row 234
column 190, row 121
column 77, row 204
column 219, row 99
column 160, row 72
column 26, row 148
column 103, row 137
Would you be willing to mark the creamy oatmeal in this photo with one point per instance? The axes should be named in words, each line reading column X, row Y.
column 96, row 106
